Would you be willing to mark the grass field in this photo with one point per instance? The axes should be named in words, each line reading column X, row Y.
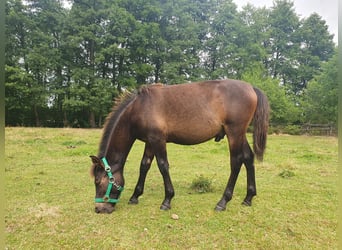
column 49, row 196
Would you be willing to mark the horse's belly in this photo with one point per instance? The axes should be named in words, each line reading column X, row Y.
column 193, row 135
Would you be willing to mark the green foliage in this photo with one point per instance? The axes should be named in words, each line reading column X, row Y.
column 71, row 63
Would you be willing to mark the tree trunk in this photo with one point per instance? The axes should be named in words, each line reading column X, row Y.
column 65, row 120
column 36, row 115
column 100, row 122
column 92, row 119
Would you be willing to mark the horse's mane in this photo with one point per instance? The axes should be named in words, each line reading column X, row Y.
column 120, row 104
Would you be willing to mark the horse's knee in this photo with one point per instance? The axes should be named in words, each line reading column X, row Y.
column 163, row 167
column 146, row 162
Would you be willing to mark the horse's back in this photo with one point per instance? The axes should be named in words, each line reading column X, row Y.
column 200, row 93
column 215, row 99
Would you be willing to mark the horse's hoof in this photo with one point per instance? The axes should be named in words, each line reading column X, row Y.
column 133, row 201
column 165, row 207
column 247, row 203
column 219, row 208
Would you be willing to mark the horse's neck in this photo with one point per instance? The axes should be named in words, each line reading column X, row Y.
column 119, row 143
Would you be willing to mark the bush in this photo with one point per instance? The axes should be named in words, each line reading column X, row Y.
column 201, row 185
column 286, row 174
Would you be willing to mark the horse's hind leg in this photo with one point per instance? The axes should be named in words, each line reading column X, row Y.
column 163, row 166
column 240, row 152
column 144, row 168
column 236, row 159
column 248, row 160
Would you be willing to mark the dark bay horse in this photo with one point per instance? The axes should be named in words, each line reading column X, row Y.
column 185, row 114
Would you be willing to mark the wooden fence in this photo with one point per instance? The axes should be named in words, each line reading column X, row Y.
column 319, row 129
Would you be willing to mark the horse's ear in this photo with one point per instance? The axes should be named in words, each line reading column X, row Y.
column 95, row 160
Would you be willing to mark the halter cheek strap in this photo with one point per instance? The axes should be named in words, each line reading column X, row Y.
column 111, row 183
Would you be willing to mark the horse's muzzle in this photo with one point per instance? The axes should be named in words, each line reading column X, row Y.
column 104, row 208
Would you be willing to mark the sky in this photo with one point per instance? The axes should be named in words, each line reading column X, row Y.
column 327, row 9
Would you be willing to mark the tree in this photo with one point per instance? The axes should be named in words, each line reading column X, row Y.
column 253, row 38
column 321, row 96
column 17, row 96
column 82, row 34
column 17, row 77
column 316, row 46
column 282, row 41
column 32, row 53
column 221, row 45
column 182, row 29
column 114, row 50
column 44, row 57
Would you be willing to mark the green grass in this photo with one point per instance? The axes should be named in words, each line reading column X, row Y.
column 49, row 196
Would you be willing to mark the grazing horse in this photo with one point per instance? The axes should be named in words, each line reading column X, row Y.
column 184, row 114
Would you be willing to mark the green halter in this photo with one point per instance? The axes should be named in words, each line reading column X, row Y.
column 106, row 198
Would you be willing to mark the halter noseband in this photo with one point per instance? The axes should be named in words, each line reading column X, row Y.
column 111, row 183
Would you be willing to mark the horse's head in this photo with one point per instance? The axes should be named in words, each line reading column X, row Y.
column 108, row 185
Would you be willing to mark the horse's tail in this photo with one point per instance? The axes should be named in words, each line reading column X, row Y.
column 260, row 124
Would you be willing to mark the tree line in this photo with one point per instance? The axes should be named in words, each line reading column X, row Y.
column 67, row 60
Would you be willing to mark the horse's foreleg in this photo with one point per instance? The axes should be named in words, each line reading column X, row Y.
column 163, row 166
column 144, row 168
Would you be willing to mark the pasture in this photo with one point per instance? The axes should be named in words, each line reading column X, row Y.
column 49, row 196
